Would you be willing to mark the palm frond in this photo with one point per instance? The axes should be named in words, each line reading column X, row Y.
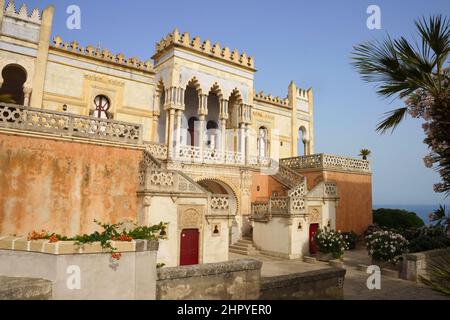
column 438, row 276
column 392, row 120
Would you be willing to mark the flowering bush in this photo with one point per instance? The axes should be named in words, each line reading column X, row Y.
column 330, row 241
column 386, row 245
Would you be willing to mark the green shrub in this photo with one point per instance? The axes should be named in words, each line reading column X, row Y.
column 396, row 219
column 425, row 243
column 351, row 239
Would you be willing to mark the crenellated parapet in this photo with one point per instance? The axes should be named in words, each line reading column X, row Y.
column 23, row 13
column 102, row 54
column 302, row 94
column 269, row 98
column 176, row 39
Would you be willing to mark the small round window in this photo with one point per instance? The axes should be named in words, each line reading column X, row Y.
column 102, row 106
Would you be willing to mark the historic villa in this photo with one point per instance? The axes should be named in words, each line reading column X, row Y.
column 182, row 138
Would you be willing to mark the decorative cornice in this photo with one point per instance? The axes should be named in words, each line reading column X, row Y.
column 102, row 55
column 176, row 39
column 22, row 14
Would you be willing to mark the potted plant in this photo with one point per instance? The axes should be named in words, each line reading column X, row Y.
column 385, row 247
column 330, row 245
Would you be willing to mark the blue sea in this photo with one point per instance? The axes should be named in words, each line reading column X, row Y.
column 421, row 210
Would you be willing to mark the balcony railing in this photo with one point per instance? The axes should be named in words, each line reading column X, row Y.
column 70, row 125
column 326, row 161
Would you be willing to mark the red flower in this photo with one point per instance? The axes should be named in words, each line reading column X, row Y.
column 116, row 255
column 53, row 239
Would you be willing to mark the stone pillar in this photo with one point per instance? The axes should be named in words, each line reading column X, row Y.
column 171, row 116
column 26, row 94
column 223, row 137
column 2, row 10
column 202, row 112
column 40, row 66
column 223, row 127
column 311, row 122
column 166, row 134
column 247, row 143
column 179, row 113
column 155, row 135
column 242, row 138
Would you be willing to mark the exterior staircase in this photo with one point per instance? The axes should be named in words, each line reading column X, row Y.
column 244, row 246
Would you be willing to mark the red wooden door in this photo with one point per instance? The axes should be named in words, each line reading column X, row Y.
column 312, row 244
column 189, row 247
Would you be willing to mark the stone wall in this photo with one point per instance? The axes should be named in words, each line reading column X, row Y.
column 233, row 280
column 62, row 185
column 99, row 276
column 319, row 284
column 25, row 289
column 414, row 265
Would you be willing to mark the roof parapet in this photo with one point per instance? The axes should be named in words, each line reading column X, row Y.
column 23, row 14
column 184, row 40
column 103, row 54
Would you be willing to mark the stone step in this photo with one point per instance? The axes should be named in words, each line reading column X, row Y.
column 246, row 240
column 309, row 259
column 237, row 251
column 241, row 248
column 242, row 245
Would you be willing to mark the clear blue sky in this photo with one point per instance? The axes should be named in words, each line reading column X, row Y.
column 305, row 41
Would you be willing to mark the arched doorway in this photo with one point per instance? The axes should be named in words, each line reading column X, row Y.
column 14, row 77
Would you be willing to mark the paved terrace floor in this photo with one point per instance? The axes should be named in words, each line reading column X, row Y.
column 355, row 287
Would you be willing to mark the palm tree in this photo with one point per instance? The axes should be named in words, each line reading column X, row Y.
column 6, row 98
column 438, row 275
column 415, row 73
column 364, row 153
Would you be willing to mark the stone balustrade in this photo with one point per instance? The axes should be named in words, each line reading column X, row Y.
column 327, row 162
column 69, row 125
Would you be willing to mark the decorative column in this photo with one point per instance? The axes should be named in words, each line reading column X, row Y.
column 223, row 128
column 155, row 136
column 247, row 143
column 202, row 112
column 26, row 94
column 179, row 113
column 171, row 116
column 242, row 138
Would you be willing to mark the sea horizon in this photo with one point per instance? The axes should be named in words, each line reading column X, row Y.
column 422, row 210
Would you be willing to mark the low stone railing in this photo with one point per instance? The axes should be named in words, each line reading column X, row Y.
column 415, row 265
column 84, row 272
column 70, row 125
column 278, row 206
column 326, row 161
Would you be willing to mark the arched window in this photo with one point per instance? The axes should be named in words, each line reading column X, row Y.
column 191, row 130
column 302, row 141
column 211, row 128
column 14, row 77
column 102, row 105
column 263, row 135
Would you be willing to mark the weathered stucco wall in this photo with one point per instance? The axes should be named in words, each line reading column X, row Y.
column 267, row 186
column 62, row 186
column 354, row 211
